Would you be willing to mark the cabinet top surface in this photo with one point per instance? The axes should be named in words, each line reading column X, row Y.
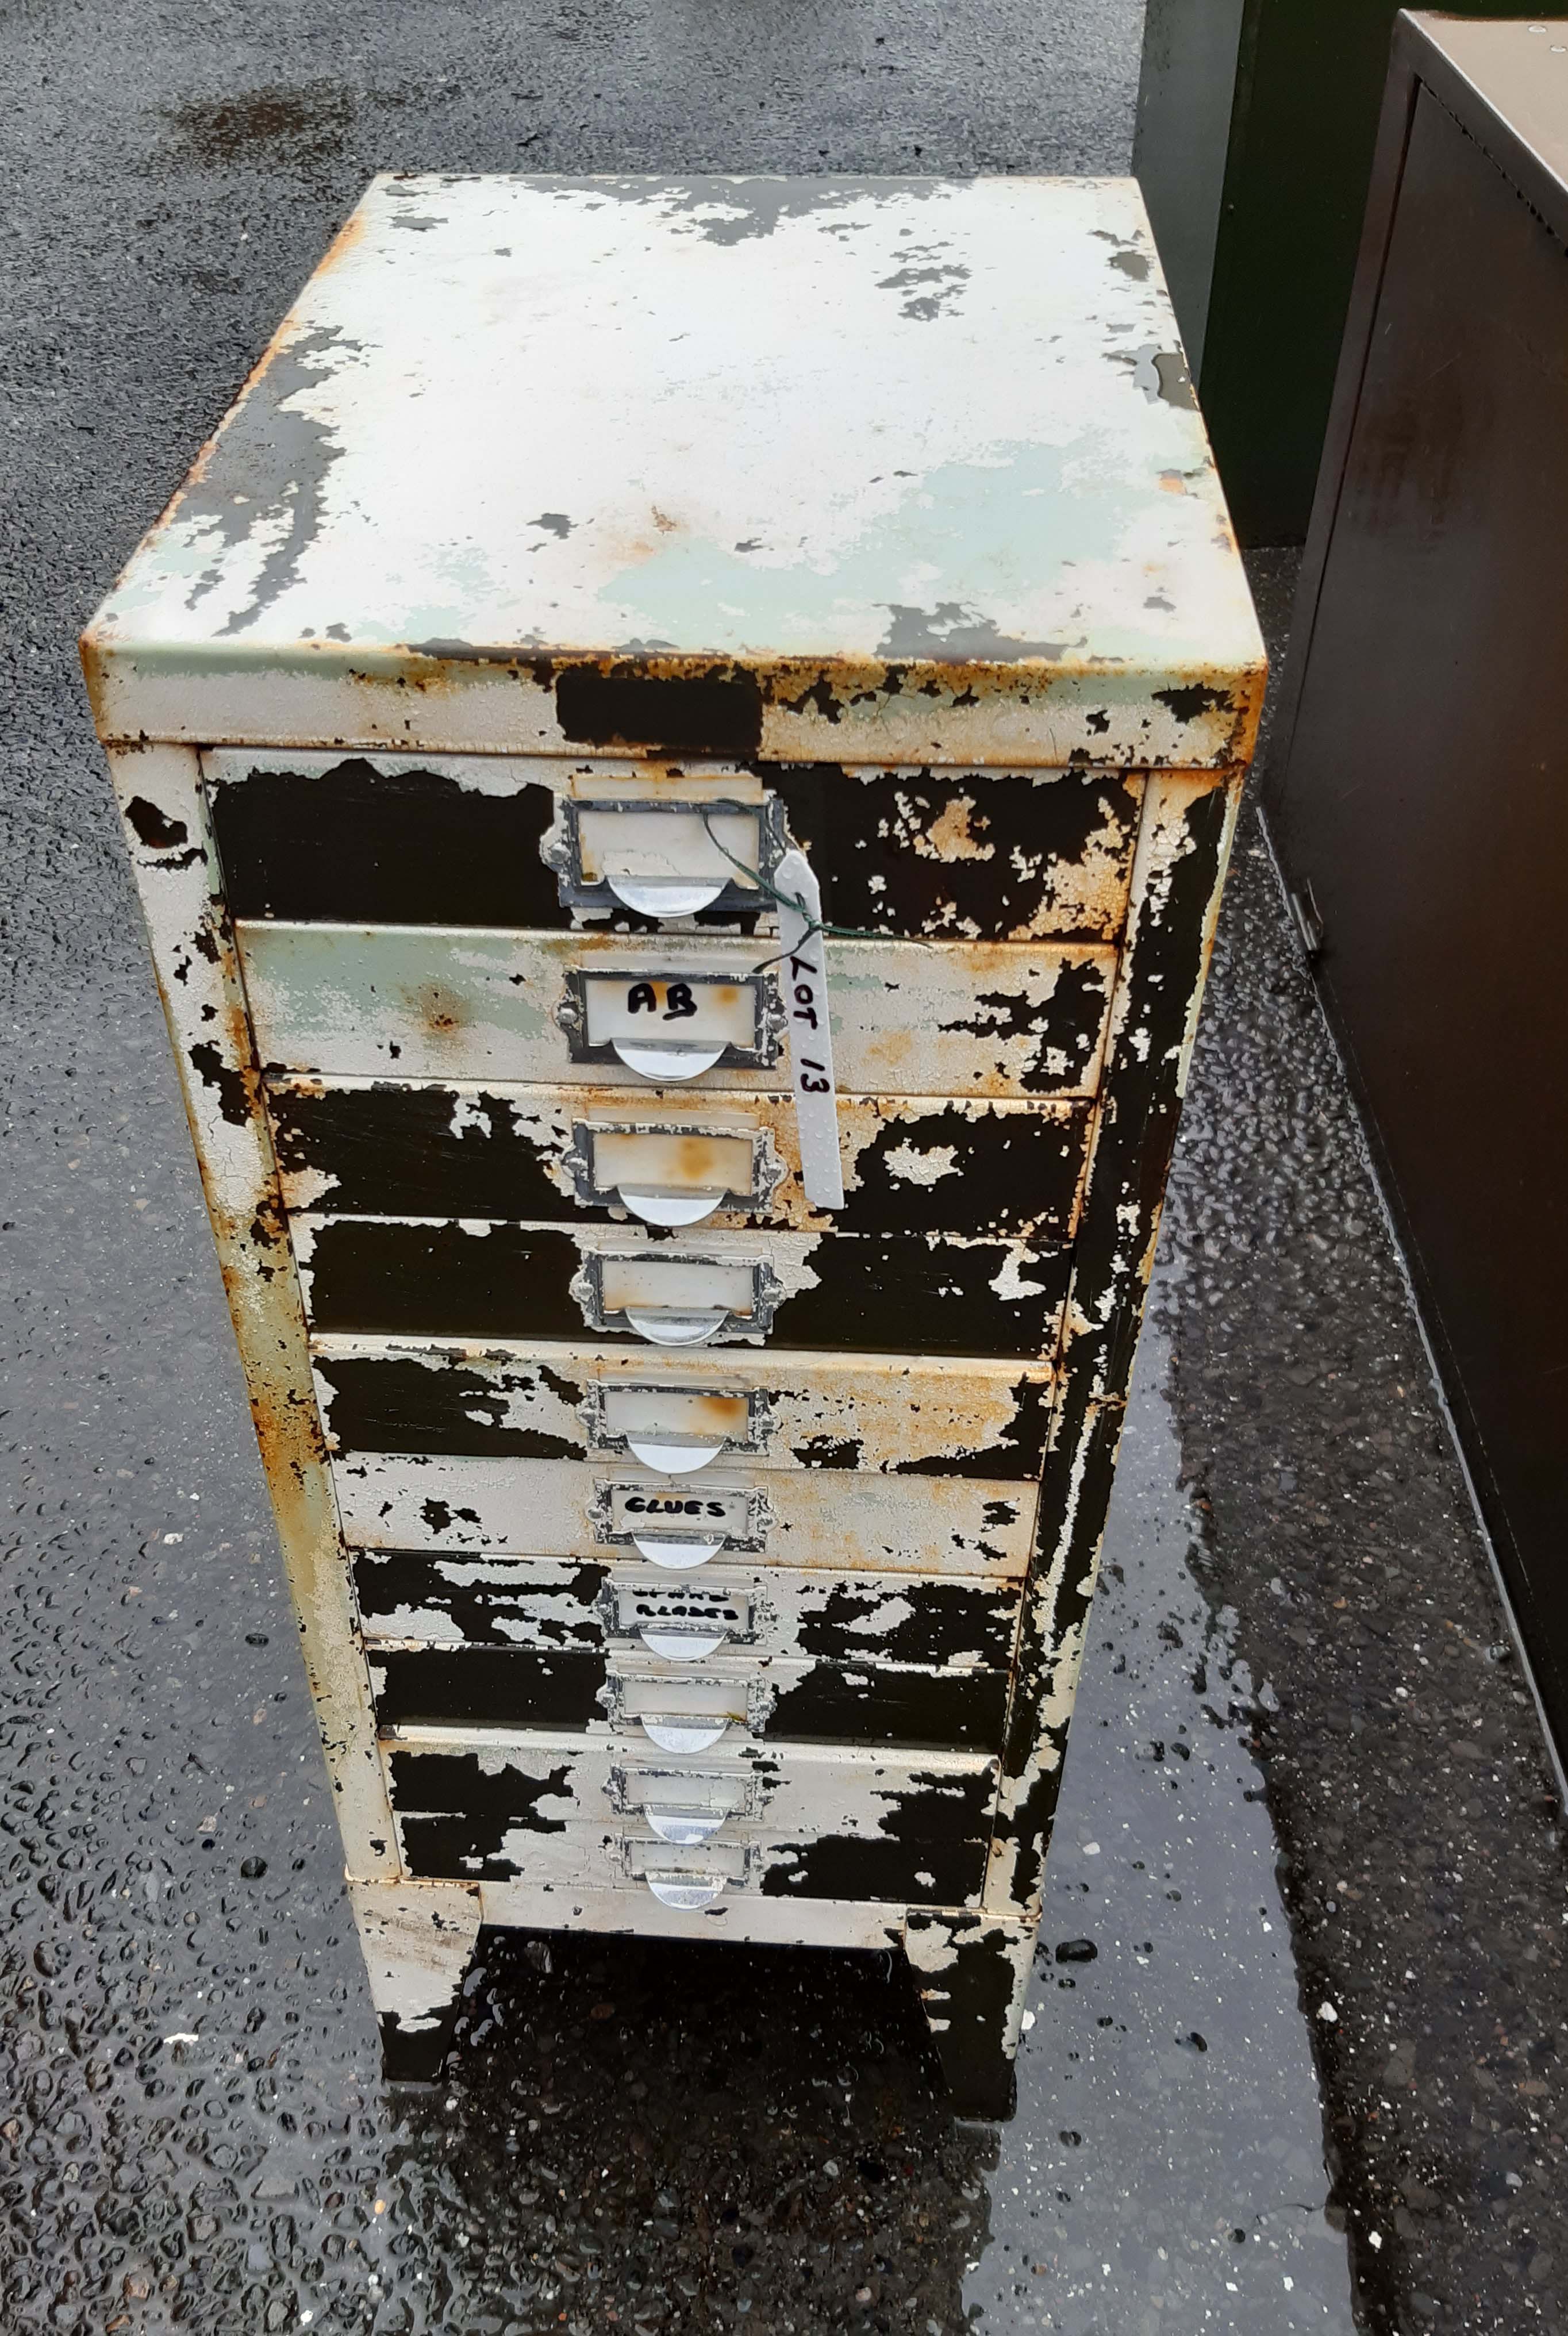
column 821, row 431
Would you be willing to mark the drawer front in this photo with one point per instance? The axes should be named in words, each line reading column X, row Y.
column 810, row 1519
column 474, row 840
column 999, row 1170
column 720, row 1698
column 903, row 1293
column 784, row 1819
column 822, row 1865
column 939, row 1018
column 682, row 1414
column 602, row 1609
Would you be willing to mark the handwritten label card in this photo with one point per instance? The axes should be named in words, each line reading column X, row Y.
column 802, row 976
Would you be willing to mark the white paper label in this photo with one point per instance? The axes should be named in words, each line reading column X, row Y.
column 804, row 979
column 661, row 1513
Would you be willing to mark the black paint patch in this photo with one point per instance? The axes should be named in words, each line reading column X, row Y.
column 360, row 846
column 454, row 1817
column 912, row 1872
column 232, row 1084
column 944, row 1619
column 898, row 1292
column 441, row 1516
column 1068, row 1022
column 1194, row 698
column 375, row 1275
column 399, row 1150
column 717, row 712
column 393, row 1403
column 969, row 2002
column 444, row 1783
column 864, row 1703
column 828, row 1452
column 481, row 1687
column 493, row 1607
column 1011, row 1173
column 157, row 831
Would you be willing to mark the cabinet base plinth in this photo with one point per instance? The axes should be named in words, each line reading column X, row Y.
column 972, row 1971
column 418, row 1944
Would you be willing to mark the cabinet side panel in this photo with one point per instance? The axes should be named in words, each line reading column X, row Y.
column 177, row 874
column 1184, row 849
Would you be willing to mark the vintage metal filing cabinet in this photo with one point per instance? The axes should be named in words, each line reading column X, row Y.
column 681, row 1544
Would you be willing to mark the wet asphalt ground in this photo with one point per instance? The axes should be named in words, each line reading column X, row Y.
column 1297, row 2054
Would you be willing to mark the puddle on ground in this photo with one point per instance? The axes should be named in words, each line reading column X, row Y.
column 1165, row 2169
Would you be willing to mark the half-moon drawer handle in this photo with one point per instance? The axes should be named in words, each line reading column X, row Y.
column 664, row 1328
column 687, row 1892
column 667, row 1208
column 661, row 1062
column 685, row 1826
column 657, row 896
column 678, row 1556
column 674, row 1459
column 683, row 1735
column 683, row 1646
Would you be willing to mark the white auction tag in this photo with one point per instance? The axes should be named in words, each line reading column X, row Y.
column 803, row 978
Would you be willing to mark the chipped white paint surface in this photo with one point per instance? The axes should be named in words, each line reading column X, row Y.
column 805, row 426
column 910, row 1017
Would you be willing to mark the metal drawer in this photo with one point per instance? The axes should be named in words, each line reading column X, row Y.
column 419, row 1002
column 838, row 1866
column 467, row 1277
column 594, row 1607
column 680, row 1413
column 457, row 1506
column 687, row 1705
column 495, row 840
column 1001, row 1170
column 786, row 1820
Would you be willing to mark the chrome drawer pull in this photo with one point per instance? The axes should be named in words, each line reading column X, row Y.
column 657, row 896
column 663, row 1327
column 661, row 1208
column 660, row 1064
column 677, row 1556
column 674, row 1459
column 687, row 1894
column 682, row 1645
column 685, row 1826
column 681, row 1732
